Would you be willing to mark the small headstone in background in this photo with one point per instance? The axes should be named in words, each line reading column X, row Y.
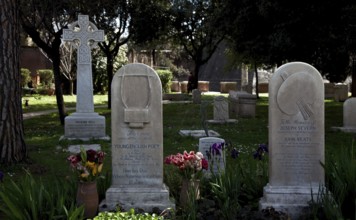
column 196, row 96
column 349, row 119
column 296, row 139
column 341, row 92
column 137, row 141
column 243, row 104
column 213, row 150
column 221, row 111
column 349, row 113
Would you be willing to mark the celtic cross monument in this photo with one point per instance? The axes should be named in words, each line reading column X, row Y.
column 84, row 123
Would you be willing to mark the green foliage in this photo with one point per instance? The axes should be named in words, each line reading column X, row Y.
column 226, row 189
column 166, row 77
column 48, row 156
column 46, row 76
column 130, row 215
column 340, row 171
column 32, row 200
column 25, row 77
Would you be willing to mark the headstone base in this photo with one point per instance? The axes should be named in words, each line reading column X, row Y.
column 147, row 199
column 74, row 149
column 84, row 126
column 344, row 129
column 291, row 200
column 198, row 133
column 227, row 121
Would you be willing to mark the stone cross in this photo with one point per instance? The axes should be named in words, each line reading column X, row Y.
column 88, row 35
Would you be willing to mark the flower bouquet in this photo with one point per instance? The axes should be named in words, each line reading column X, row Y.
column 88, row 164
column 190, row 164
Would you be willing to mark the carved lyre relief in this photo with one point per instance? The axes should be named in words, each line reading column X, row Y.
column 136, row 98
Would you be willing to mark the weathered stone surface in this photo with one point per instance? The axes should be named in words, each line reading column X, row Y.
column 216, row 157
column 84, row 123
column 349, row 119
column 221, row 111
column 296, row 138
column 137, row 141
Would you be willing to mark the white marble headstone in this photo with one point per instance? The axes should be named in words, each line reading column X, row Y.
column 215, row 157
column 350, row 113
column 196, row 96
column 296, row 138
column 137, row 141
column 221, row 109
column 349, row 119
column 84, row 123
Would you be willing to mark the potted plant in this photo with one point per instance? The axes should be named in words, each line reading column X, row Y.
column 190, row 166
column 88, row 165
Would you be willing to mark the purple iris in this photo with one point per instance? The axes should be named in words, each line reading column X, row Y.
column 262, row 148
column 216, row 148
column 1, row 176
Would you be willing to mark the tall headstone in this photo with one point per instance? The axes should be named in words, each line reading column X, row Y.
column 84, row 123
column 137, row 141
column 296, row 138
column 214, row 154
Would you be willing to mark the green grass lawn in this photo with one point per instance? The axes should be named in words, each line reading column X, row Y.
column 47, row 155
column 44, row 102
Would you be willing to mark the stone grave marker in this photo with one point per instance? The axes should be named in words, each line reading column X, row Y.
column 221, row 111
column 84, row 123
column 74, row 149
column 198, row 133
column 349, row 119
column 296, row 138
column 214, row 154
column 196, row 96
column 137, row 141
column 349, row 113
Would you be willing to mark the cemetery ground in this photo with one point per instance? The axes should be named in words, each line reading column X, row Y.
column 45, row 183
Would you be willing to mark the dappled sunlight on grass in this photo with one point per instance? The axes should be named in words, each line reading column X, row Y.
column 43, row 102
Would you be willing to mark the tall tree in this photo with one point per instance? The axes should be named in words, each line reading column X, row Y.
column 67, row 64
column 195, row 24
column 275, row 32
column 12, row 144
column 44, row 21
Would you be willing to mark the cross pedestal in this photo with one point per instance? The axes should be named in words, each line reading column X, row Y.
column 84, row 124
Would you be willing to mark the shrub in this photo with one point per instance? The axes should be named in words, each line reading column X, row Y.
column 127, row 215
column 31, row 199
column 340, row 173
column 166, row 77
column 25, row 77
column 46, row 76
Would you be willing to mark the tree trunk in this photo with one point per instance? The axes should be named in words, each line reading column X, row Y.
column 71, row 87
column 256, row 72
column 110, row 68
column 353, row 81
column 196, row 75
column 12, row 144
column 56, row 61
